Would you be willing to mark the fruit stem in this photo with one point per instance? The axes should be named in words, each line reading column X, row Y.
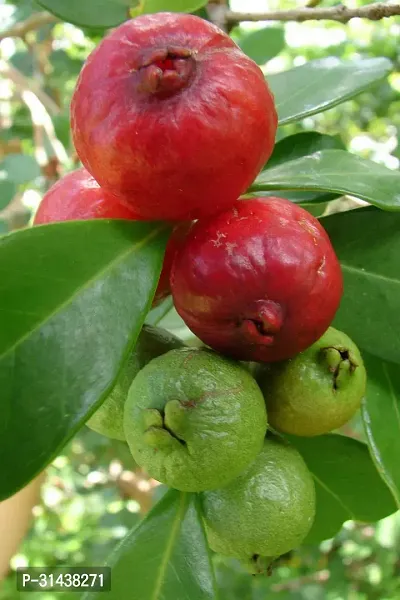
column 260, row 565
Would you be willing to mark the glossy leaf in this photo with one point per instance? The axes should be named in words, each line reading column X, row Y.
column 299, row 145
column 335, row 171
column 263, row 44
column 154, row 6
column 19, row 168
column 73, row 299
column 314, row 208
column 321, row 84
column 381, row 416
column 367, row 242
column 302, row 144
column 90, row 13
column 158, row 313
column 165, row 557
column 347, row 483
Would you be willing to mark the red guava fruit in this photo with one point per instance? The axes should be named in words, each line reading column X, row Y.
column 78, row 196
column 259, row 281
column 171, row 116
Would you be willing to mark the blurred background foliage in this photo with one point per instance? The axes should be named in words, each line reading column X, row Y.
column 92, row 494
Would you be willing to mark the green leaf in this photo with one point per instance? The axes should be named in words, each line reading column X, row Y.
column 202, row 13
column 299, row 145
column 165, row 316
column 335, row 171
column 347, row 483
column 73, row 298
column 381, row 416
column 99, row 14
column 158, row 313
column 302, row 144
column 367, row 242
column 186, row 6
column 315, row 209
column 263, row 44
column 8, row 189
column 19, row 168
column 165, row 557
column 321, row 84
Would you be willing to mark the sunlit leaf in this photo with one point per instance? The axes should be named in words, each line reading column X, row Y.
column 321, row 84
column 335, row 171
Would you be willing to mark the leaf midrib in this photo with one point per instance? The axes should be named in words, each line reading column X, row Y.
column 170, row 544
column 326, row 105
column 80, row 289
column 369, row 274
column 332, row 493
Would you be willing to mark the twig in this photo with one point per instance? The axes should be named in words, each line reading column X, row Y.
column 42, row 123
column 217, row 10
column 340, row 13
column 22, row 82
column 33, row 22
column 39, row 105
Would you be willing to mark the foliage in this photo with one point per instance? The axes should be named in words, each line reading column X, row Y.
column 340, row 91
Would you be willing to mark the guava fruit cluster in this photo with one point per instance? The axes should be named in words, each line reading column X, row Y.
column 172, row 122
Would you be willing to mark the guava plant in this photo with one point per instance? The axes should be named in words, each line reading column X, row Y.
column 185, row 191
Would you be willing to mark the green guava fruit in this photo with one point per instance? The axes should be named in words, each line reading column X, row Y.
column 194, row 420
column 152, row 342
column 318, row 390
column 265, row 512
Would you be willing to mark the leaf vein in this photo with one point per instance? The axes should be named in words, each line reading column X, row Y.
column 369, row 274
column 335, row 496
column 88, row 283
column 168, row 551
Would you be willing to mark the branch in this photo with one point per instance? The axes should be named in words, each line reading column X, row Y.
column 216, row 11
column 33, row 22
column 23, row 82
column 39, row 105
column 373, row 12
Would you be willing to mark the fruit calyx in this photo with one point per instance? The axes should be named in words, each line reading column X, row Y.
column 340, row 362
column 165, row 71
column 166, row 425
column 260, row 565
column 262, row 324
